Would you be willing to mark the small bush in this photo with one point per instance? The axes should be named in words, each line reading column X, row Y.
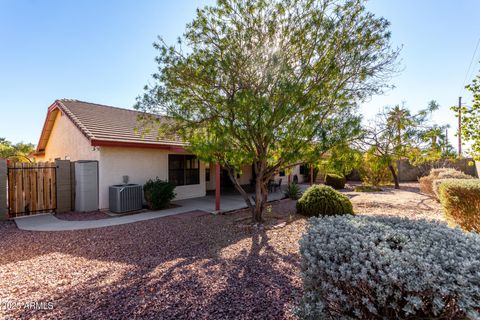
column 320, row 200
column 293, row 191
column 367, row 189
column 461, row 202
column 388, row 268
column 335, row 181
column 158, row 193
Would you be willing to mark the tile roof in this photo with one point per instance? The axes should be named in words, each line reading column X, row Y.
column 103, row 124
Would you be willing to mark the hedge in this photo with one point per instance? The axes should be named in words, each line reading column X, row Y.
column 461, row 202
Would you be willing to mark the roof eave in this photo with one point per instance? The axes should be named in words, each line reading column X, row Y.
column 133, row 144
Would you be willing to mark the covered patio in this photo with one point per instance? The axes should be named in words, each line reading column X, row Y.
column 230, row 201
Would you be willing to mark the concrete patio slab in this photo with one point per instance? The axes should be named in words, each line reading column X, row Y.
column 48, row 222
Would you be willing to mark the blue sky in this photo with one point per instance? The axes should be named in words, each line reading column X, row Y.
column 101, row 51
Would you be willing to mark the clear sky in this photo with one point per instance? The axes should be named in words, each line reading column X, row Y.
column 101, row 51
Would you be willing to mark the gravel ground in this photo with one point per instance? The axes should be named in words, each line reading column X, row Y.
column 190, row 266
column 407, row 202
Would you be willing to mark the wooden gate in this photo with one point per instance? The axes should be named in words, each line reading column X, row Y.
column 31, row 188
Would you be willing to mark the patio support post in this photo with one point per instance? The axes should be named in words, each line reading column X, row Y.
column 3, row 190
column 311, row 175
column 289, row 178
column 217, row 187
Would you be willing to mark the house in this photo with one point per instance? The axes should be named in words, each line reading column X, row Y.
column 77, row 130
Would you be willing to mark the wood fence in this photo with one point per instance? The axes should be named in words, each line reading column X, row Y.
column 31, row 188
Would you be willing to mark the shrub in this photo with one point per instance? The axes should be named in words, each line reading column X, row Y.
column 365, row 188
column 320, row 200
column 388, row 268
column 427, row 183
column 373, row 171
column 293, row 191
column 158, row 193
column 461, row 202
column 335, row 181
column 442, row 176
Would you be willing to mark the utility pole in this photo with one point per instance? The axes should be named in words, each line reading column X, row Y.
column 459, row 126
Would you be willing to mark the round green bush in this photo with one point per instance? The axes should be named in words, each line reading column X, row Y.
column 335, row 181
column 321, row 200
column 158, row 193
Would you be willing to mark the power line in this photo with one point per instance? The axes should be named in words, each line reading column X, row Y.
column 469, row 66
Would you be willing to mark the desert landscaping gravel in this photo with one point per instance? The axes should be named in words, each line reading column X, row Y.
column 189, row 266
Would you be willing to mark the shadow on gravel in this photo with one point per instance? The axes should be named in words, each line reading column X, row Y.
column 206, row 267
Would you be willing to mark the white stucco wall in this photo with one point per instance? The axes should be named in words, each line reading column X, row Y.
column 67, row 142
column 140, row 165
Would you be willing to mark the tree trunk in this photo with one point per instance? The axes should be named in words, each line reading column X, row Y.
column 261, row 193
column 233, row 177
column 394, row 175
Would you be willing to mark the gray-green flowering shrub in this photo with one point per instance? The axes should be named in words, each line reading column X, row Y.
column 388, row 268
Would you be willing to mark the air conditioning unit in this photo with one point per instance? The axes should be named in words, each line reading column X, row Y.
column 125, row 197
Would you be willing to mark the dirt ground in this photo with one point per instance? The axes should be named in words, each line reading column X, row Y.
column 190, row 266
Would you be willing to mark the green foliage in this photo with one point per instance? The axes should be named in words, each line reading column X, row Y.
column 374, row 170
column 471, row 119
column 293, row 191
column 335, row 181
column 367, row 188
column 321, row 200
column 20, row 152
column 396, row 134
column 341, row 159
column 270, row 83
column 158, row 193
column 461, row 202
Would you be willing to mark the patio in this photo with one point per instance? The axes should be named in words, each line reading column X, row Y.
column 229, row 201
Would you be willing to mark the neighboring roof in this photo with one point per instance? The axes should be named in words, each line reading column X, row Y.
column 106, row 126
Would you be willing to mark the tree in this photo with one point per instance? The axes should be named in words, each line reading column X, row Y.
column 341, row 159
column 19, row 152
column 395, row 134
column 268, row 83
column 471, row 119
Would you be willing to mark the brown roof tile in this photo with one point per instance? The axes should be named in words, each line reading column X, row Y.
column 108, row 124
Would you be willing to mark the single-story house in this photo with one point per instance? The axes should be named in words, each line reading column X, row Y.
column 77, row 130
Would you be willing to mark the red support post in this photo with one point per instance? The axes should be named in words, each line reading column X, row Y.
column 217, row 186
column 289, row 178
column 311, row 175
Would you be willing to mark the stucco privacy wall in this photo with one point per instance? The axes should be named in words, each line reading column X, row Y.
column 67, row 142
column 139, row 165
column 408, row 172
column 3, row 190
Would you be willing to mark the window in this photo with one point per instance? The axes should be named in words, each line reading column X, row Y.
column 303, row 169
column 282, row 173
column 183, row 169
